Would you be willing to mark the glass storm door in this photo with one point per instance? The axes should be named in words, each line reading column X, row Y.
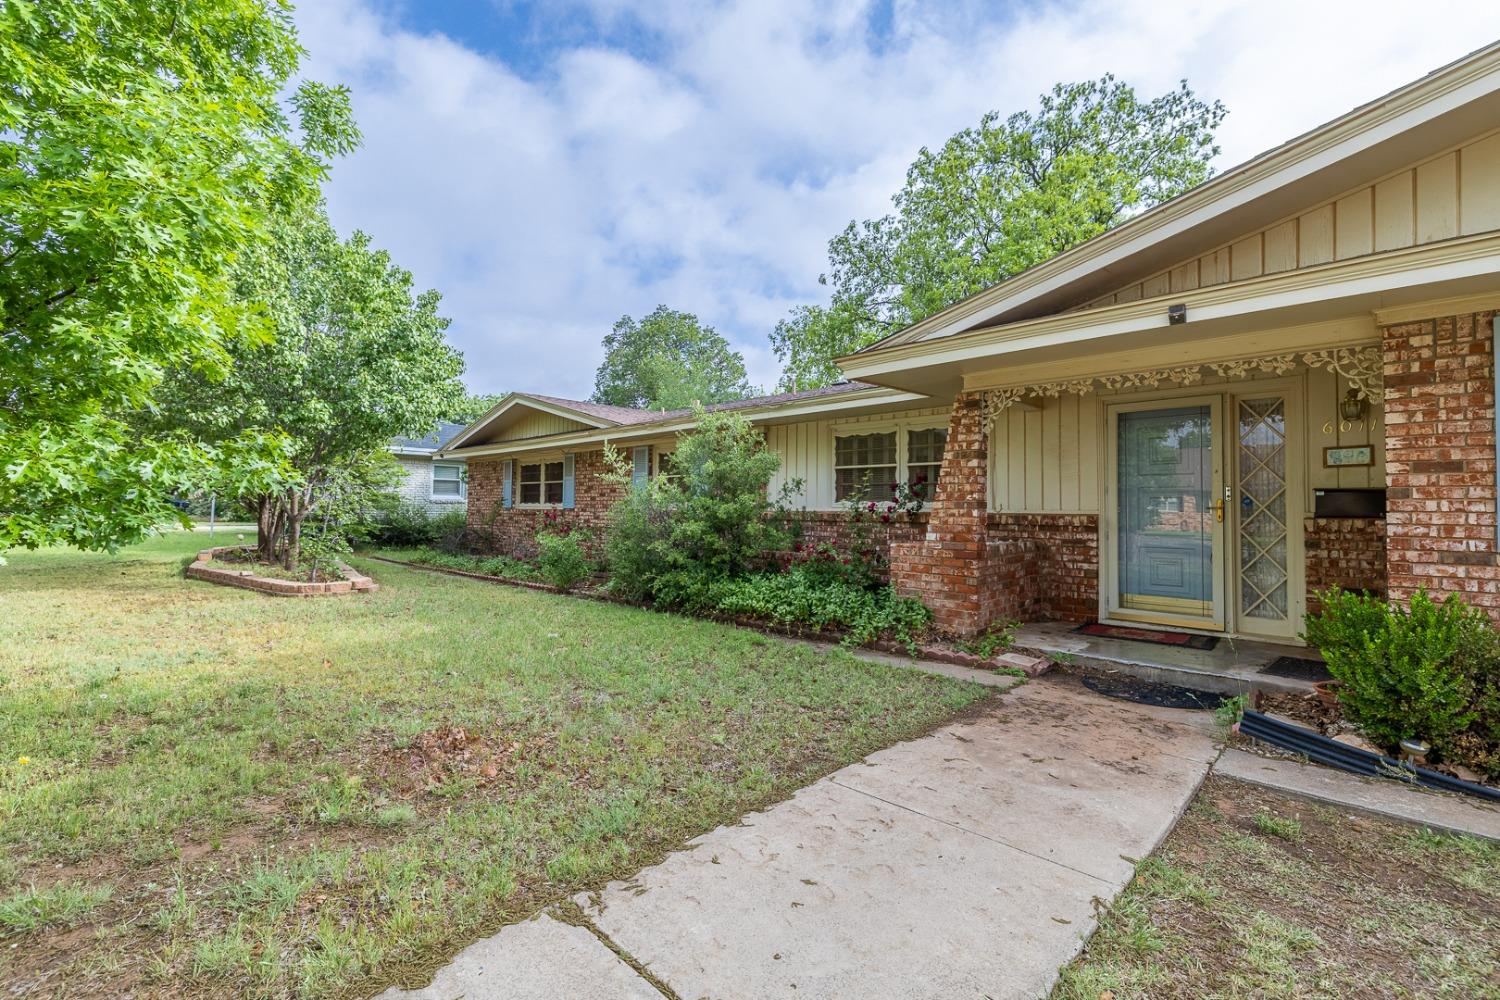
column 1261, row 472
column 1168, row 526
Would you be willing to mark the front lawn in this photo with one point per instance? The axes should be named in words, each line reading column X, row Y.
column 210, row 791
column 1259, row 895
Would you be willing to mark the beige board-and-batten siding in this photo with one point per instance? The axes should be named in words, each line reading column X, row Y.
column 1454, row 193
column 539, row 425
column 806, row 449
column 1049, row 458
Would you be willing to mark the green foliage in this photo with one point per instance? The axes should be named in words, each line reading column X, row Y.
column 1429, row 671
column 994, row 639
column 668, row 361
column 501, row 566
column 472, row 406
column 60, row 905
column 400, row 523
column 143, row 147
column 1282, row 827
column 1230, row 711
column 359, row 357
column 801, row 597
column 992, row 202
column 713, row 521
column 561, row 559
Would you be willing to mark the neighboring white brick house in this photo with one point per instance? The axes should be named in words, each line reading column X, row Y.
column 438, row 486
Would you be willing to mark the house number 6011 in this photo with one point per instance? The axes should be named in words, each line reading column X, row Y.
column 1345, row 426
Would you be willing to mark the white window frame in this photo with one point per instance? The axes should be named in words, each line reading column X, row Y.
column 901, row 429
column 542, row 502
column 463, row 486
column 659, row 458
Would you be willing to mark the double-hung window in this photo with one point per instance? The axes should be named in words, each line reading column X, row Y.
column 864, row 466
column 447, row 481
column 868, row 466
column 924, row 458
column 542, row 482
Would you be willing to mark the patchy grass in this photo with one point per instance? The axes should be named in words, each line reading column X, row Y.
column 228, row 793
column 1258, row 895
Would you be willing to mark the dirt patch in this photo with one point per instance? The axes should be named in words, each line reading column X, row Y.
column 1256, row 893
column 438, row 758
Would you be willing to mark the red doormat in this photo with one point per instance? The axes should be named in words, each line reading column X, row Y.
column 1183, row 640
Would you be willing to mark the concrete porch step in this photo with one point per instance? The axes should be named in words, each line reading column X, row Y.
column 1233, row 667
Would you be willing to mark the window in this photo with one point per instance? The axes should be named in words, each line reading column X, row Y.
column 542, row 483
column 864, row 466
column 447, row 481
column 924, row 458
column 666, row 465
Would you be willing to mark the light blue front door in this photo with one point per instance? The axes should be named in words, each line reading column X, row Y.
column 1165, row 485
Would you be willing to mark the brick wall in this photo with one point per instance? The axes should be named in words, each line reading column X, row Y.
column 416, row 486
column 1067, row 560
column 512, row 531
column 1440, row 459
column 820, row 527
column 1344, row 552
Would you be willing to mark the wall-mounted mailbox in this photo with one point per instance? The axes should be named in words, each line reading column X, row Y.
column 1349, row 503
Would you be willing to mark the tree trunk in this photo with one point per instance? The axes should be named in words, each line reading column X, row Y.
column 266, row 527
column 295, row 512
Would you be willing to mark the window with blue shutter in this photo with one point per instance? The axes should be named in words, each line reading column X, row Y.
column 505, row 487
column 567, row 500
column 641, row 457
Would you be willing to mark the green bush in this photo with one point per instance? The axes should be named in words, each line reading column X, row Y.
column 1427, row 671
column 562, row 561
column 675, row 538
column 801, row 597
column 400, row 523
column 502, row 566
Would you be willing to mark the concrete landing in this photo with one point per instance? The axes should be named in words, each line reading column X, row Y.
column 968, row 863
column 1381, row 796
column 1231, row 667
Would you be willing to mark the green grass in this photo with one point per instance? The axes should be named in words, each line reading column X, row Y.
column 226, row 792
column 1256, row 895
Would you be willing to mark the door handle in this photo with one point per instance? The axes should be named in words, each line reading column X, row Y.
column 1219, row 510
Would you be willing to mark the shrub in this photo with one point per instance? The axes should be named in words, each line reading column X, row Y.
column 400, row 523
column 502, row 566
column 675, row 538
column 1428, row 671
column 562, row 560
column 799, row 597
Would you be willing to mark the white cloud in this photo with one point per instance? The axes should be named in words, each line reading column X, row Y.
column 546, row 207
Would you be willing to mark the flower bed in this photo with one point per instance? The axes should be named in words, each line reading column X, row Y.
column 225, row 566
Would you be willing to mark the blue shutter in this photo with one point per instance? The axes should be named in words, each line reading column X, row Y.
column 642, row 468
column 505, row 468
column 568, row 480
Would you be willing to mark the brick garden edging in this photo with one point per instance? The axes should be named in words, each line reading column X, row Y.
column 941, row 654
column 202, row 569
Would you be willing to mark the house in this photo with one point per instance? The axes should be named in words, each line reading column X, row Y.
column 438, row 485
column 1279, row 381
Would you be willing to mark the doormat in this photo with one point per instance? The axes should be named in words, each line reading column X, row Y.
column 1297, row 669
column 1182, row 640
column 1149, row 693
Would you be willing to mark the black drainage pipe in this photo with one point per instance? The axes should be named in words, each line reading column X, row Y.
column 1323, row 750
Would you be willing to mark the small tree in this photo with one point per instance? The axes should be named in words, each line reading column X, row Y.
column 714, row 520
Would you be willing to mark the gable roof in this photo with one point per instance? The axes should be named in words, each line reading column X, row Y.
column 603, row 417
column 444, row 432
column 1457, row 102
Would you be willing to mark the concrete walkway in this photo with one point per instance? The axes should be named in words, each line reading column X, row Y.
column 1381, row 796
column 968, row 863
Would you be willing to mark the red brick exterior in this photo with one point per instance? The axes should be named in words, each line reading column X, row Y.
column 1440, row 459
column 1344, row 552
column 1067, row 560
column 824, row 527
column 512, row 531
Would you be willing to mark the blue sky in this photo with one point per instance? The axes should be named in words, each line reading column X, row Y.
column 550, row 167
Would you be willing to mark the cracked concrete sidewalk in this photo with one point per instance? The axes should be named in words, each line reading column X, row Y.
column 968, row 863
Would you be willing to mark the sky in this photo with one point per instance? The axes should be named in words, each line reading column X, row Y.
column 551, row 167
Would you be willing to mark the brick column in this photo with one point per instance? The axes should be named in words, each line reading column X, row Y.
column 1440, row 459
column 946, row 569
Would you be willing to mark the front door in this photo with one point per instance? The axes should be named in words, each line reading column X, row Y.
column 1168, row 525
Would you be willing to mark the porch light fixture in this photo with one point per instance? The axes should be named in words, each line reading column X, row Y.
column 1352, row 407
column 1177, row 314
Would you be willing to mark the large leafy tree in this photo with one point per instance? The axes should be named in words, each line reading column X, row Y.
column 994, row 201
column 143, row 147
column 358, row 357
column 667, row 361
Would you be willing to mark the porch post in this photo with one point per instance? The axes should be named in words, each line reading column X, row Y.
column 1440, row 459
column 949, row 570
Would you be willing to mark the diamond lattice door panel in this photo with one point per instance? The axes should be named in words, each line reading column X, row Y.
column 1263, row 542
